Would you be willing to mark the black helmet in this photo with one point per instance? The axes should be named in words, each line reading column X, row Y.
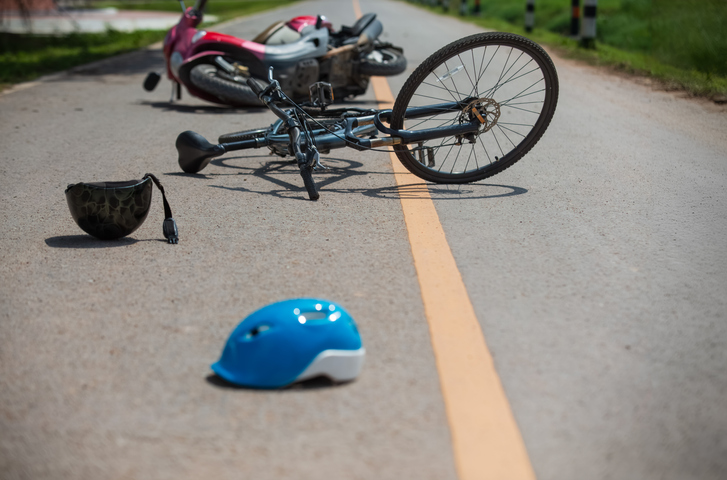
column 110, row 210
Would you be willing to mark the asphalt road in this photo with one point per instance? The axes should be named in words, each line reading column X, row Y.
column 596, row 266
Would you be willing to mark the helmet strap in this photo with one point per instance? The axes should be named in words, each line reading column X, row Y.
column 169, row 227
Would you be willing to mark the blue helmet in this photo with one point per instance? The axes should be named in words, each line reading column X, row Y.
column 290, row 341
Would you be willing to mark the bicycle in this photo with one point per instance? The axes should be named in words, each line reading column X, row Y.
column 469, row 111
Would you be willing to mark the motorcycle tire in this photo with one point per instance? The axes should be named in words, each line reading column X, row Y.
column 382, row 62
column 207, row 78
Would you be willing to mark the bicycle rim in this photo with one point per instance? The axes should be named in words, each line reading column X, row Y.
column 506, row 82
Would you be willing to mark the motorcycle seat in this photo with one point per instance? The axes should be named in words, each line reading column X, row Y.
column 366, row 26
column 362, row 23
column 277, row 34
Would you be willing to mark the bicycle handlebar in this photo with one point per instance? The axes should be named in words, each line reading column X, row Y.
column 267, row 96
column 255, row 86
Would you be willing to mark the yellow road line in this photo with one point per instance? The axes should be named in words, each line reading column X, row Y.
column 357, row 9
column 486, row 440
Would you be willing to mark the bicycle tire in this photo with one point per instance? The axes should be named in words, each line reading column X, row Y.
column 243, row 135
column 517, row 97
column 387, row 63
column 206, row 77
column 310, row 184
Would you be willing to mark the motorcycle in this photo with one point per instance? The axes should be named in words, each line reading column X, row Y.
column 304, row 50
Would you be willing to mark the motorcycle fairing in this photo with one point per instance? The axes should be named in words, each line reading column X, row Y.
column 313, row 43
column 257, row 57
column 299, row 23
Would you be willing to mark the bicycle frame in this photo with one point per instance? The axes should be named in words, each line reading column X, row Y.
column 499, row 109
column 366, row 125
column 305, row 144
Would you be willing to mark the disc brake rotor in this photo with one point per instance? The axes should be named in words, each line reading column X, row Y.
column 483, row 110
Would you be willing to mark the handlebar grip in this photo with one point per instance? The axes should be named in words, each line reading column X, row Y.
column 255, row 86
column 310, row 184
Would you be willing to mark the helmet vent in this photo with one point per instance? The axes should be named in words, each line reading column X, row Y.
column 317, row 317
column 255, row 332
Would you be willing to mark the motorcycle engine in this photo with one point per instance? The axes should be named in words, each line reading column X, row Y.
column 306, row 74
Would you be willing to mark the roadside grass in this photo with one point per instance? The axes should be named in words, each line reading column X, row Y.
column 680, row 43
column 223, row 9
column 26, row 57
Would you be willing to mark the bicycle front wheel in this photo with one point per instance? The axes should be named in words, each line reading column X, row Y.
column 505, row 82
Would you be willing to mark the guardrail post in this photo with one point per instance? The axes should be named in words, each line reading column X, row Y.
column 529, row 15
column 575, row 18
column 463, row 7
column 588, row 35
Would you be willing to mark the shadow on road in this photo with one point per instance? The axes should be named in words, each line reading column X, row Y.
column 131, row 63
column 284, row 175
column 87, row 241
column 312, row 384
column 201, row 109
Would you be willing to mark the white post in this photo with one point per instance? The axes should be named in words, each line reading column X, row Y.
column 588, row 34
column 529, row 15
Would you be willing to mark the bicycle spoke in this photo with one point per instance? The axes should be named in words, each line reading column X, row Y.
column 485, row 149
column 459, row 150
column 502, row 130
column 467, row 163
column 446, row 157
column 468, row 75
column 443, row 123
column 523, row 96
column 445, row 86
column 433, row 98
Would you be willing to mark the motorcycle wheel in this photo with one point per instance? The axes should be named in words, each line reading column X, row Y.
column 382, row 62
column 209, row 79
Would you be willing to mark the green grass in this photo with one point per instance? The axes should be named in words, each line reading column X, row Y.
column 26, row 57
column 681, row 43
column 222, row 9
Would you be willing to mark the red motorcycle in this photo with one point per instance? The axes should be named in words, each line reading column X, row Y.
column 305, row 50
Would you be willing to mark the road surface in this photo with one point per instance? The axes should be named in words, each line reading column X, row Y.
column 596, row 268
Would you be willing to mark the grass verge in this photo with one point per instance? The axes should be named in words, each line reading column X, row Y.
column 27, row 57
column 223, row 9
column 639, row 37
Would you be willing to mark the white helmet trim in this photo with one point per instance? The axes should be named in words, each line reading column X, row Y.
column 338, row 365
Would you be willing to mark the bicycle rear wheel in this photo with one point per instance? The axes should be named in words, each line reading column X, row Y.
column 506, row 82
